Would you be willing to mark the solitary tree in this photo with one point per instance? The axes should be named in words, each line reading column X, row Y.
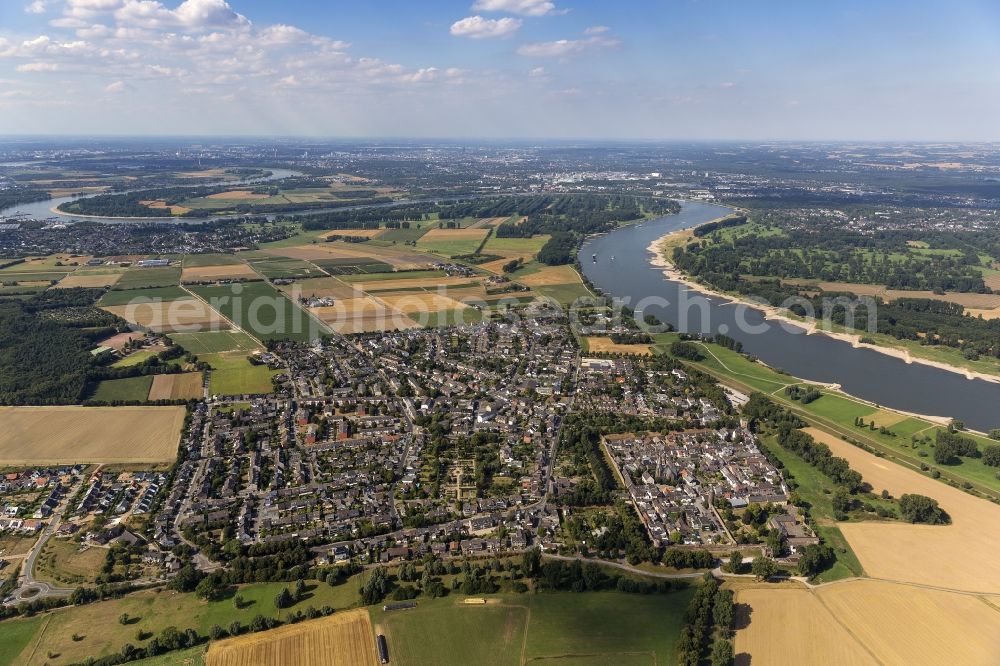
column 763, row 567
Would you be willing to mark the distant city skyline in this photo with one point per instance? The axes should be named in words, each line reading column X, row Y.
column 503, row 69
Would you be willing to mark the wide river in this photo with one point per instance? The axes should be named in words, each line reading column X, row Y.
column 882, row 379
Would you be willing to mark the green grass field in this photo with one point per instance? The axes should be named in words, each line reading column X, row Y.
column 260, row 309
column 131, row 388
column 191, row 657
column 563, row 627
column 515, row 245
column 280, row 267
column 565, row 294
column 407, row 235
column 126, row 296
column 15, row 635
column 145, row 278
column 212, row 342
column 233, row 374
column 389, row 275
column 134, row 359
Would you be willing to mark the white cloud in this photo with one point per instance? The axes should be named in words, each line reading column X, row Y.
column 116, row 87
column 191, row 15
column 522, row 7
column 537, row 72
column 596, row 30
column 563, row 48
column 38, row 67
column 36, row 7
column 478, row 27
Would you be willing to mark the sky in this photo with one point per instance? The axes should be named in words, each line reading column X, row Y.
column 495, row 69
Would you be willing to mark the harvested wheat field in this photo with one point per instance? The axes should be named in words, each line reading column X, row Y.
column 342, row 639
column 396, row 322
column 354, row 233
column 238, row 195
column 985, row 314
column 160, row 204
column 325, row 287
column 960, row 556
column 399, row 259
column 181, row 386
column 64, row 435
column 549, row 275
column 92, row 281
column 903, row 624
column 993, row 282
column 885, row 417
column 604, row 345
column 412, row 283
column 362, row 315
column 416, row 302
column 186, row 315
column 438, row 234
column 791, row 626
column 496, row 267
column 119, row 340
column 227, row 272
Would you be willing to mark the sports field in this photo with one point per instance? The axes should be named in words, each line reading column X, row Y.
column 233, row 374
column 342, row 639
column 67, row 435
column 213, row 342
column 564, row 628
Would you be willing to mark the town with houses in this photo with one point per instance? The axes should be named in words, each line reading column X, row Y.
column 394, row 445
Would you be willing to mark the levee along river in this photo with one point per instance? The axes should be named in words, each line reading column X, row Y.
column 867, row 374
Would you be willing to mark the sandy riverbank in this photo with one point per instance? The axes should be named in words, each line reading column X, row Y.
column 811, row 328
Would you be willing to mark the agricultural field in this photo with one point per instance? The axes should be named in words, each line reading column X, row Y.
column 362, row 315
column 147, row 278
column 902, row 624
column 221, row 272
column 90, row 280
column 261, row 310
column 283, row 268
column 914, row 553
column 233, row 374
column 212, row 342
column 67, row 435
column 863, row 622
column 210, row 259
column 603, row 345
column 791, row 626
column 17, row 636
column 354, row 233
column 452, row 242
column 124, row 297
column 515, row 247
column 130, row 389
column 183, row 315
column 344, row 255
column 342, row 639
column 324, row 287
column 409, row 235
column 179, row 386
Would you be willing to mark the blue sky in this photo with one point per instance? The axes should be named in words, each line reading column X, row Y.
column 673, row 69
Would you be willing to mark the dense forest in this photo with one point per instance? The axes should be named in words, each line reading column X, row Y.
column 835, row 255
column 44, row 357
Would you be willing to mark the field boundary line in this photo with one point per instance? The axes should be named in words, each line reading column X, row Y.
column 38, row 638
column 847, row 629
column 224, row 317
